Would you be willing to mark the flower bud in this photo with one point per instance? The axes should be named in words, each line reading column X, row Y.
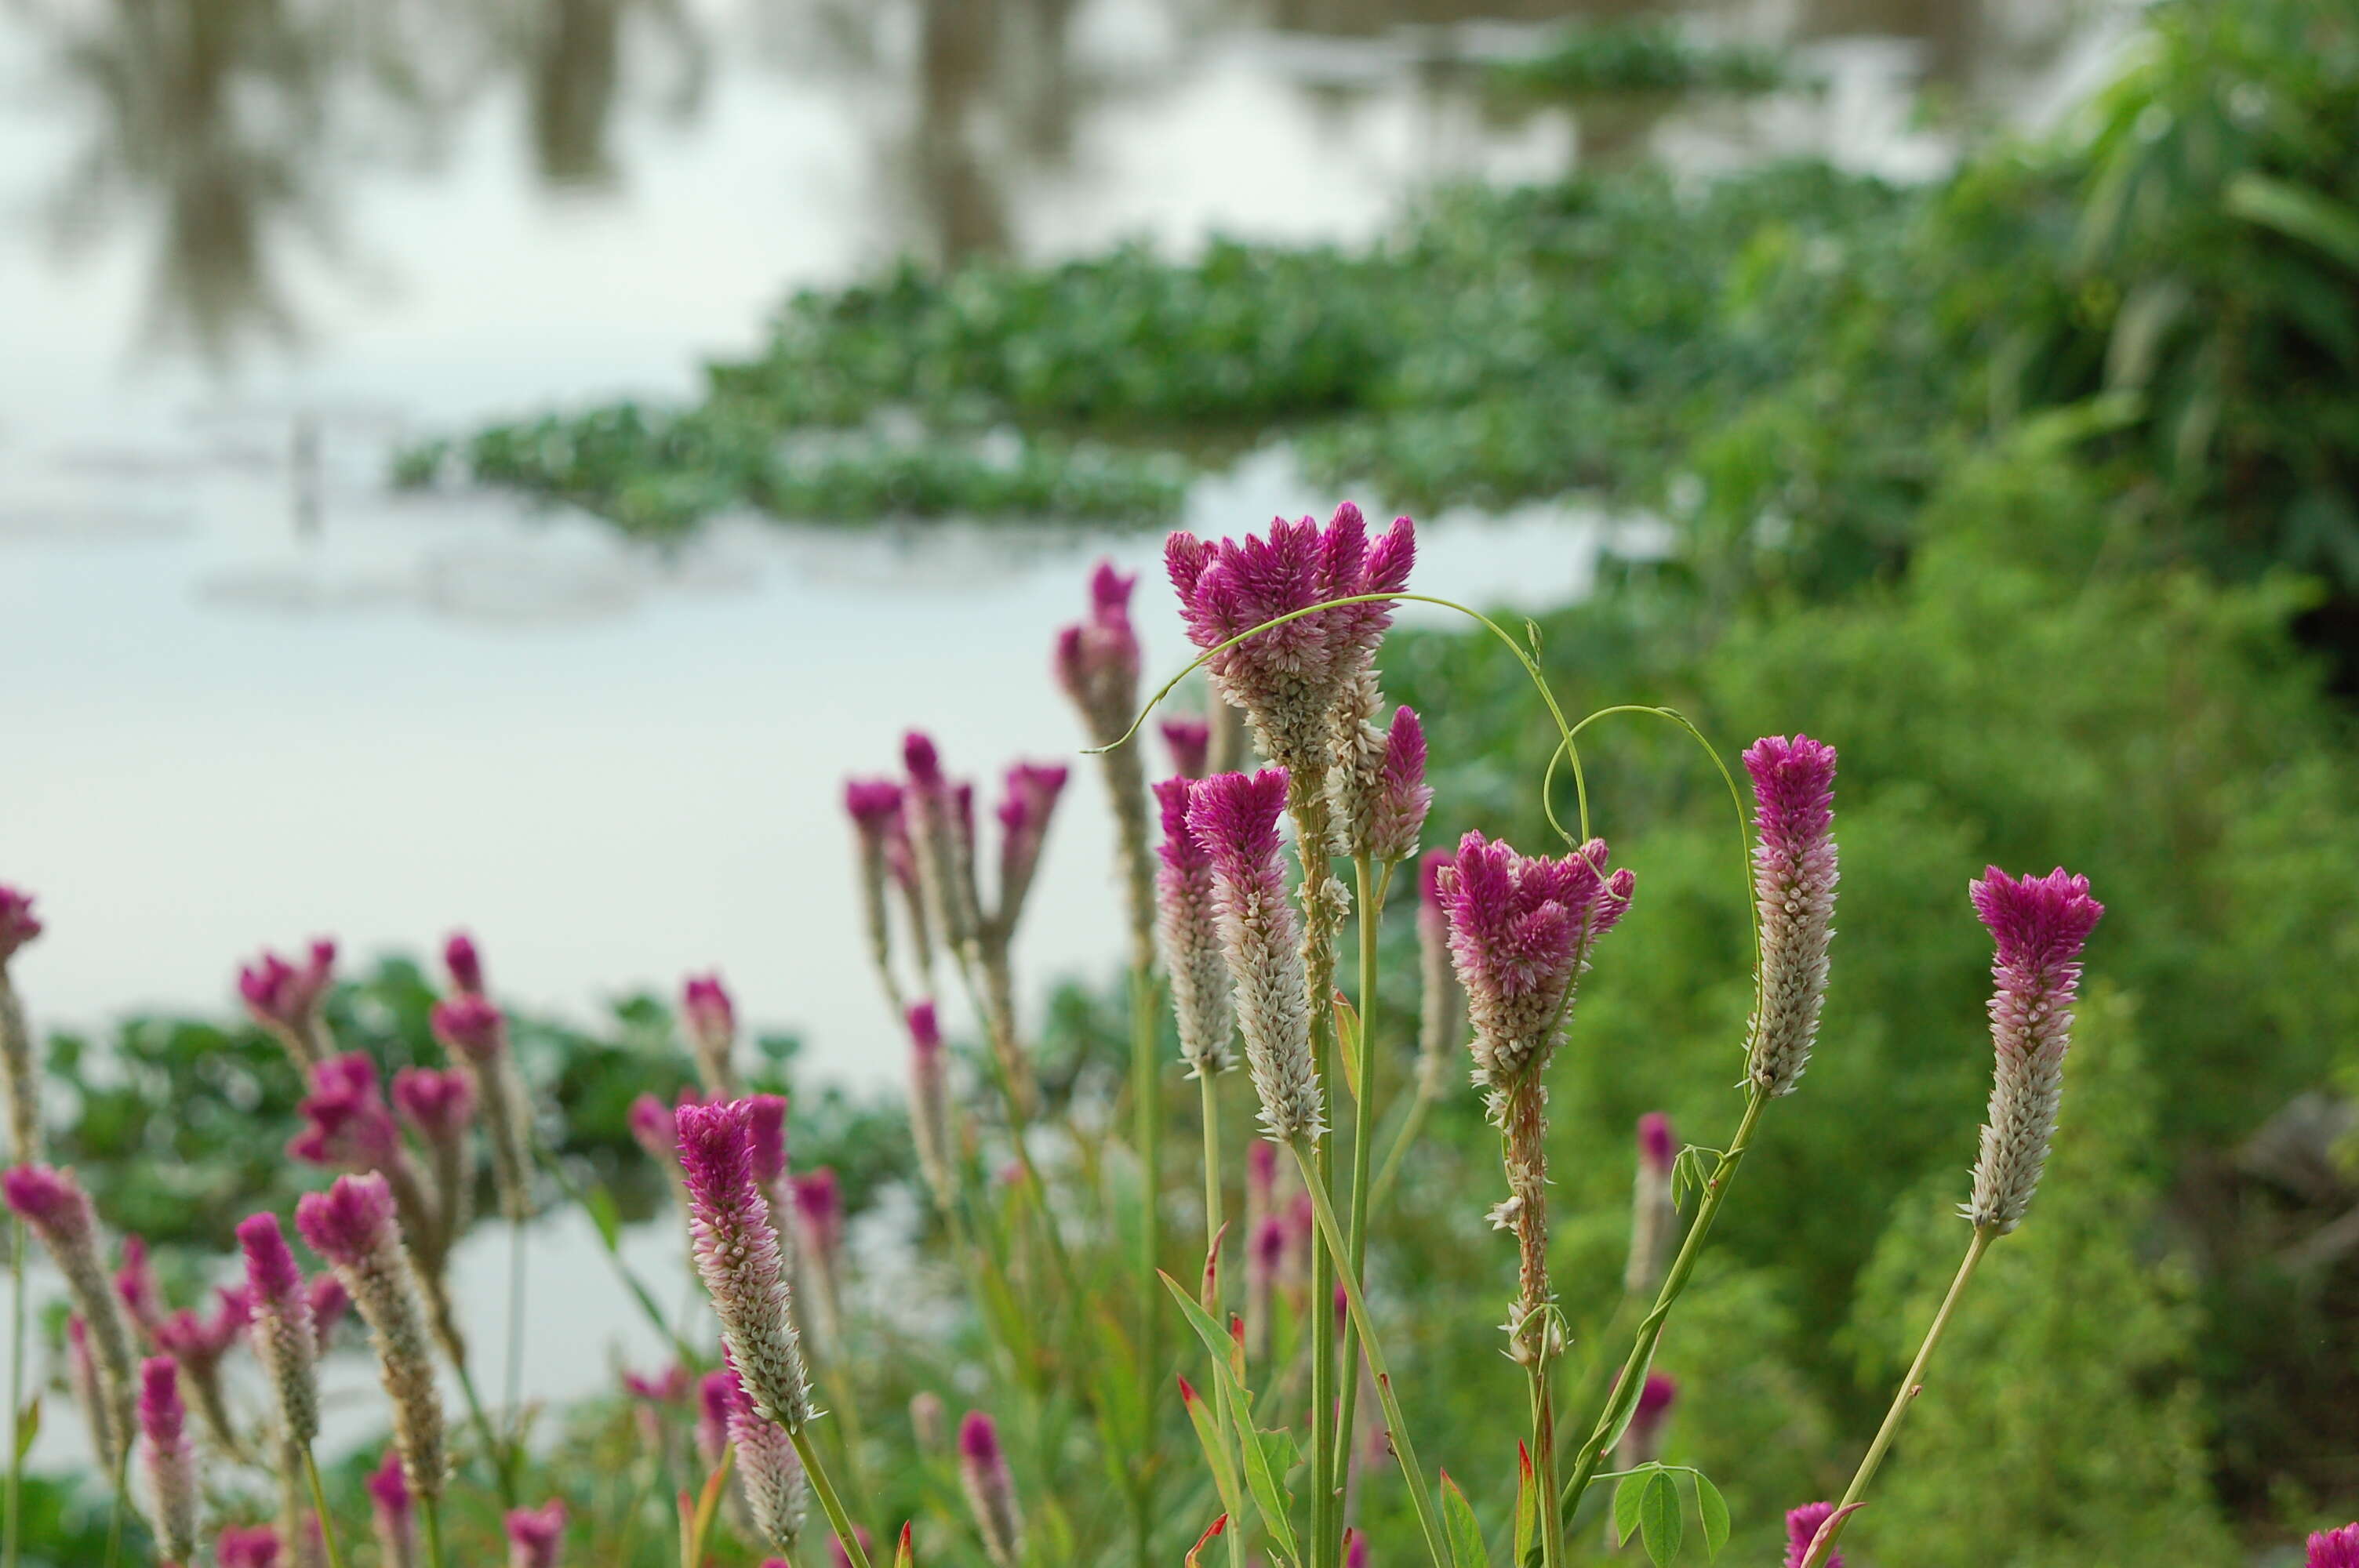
column 990, row 1490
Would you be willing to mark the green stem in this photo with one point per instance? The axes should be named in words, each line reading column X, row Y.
column 1544, row 1458
column 319, row 1509
column 1147, row 1094
column 122, row 1497
column 1910, row 1387
column 1207, row 1093
column 1363, row 1137
column 511, row 1457
column 648, row 1307
column 1420, row 1501
column 1624, row 1395
column 1326, row 1543
column 482, row 1425
column 830, row 1504
column 15, row 1391
column 431, row 1509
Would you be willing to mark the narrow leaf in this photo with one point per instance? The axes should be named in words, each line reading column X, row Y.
column 1660, row 1522
column 1528, row 1503
column 905, row 1555
column 1196, row 1552
column 1463, row 1531
column 1212, row 1435
column 28, row 1427
column 1712, row 1510
column 1347, row 1043
column 1269, row 1456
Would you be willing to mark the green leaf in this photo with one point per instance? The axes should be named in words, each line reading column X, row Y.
column 1627, row 1493
column 605, row 1215
column 1659, row 1524
column 1268, row 1457
column 1458, row 1524
column 2299, row 213
column 28, row 1427
column 1347, row 1044
column 1211, row 1434
column 1528, row 1504
column 1712, row 1510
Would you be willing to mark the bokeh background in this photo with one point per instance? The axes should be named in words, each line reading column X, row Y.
column 419, row 508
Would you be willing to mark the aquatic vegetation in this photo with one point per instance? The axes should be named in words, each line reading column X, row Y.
column 1641, row 54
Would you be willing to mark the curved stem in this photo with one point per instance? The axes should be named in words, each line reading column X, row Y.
column 319, row 1509
column 1910, row 1387
column 1363, row 1133
column 830, row 1504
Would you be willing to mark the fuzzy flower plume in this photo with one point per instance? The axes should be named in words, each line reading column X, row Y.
column 2040, row 925
column 874, row 808
column 1794, row 889
column 328, row 1301
column 196, row 1343
column 464, row 963
column 287, row 1000
column 709, row 1016
column 930, row 1103
column 475, row 1032
column 346, row 1125
column 769, row 1472
column 53, row 1204
column 655, row 1129
column 18, row 1074
column 1097, row 659
column 1377, row 788
column 1190, row 741
column 394, row 1513
column 765, row 1139
column 737, row 1255
column 535, row 1535
column 1235, row 820
column 1801, row 1528
column 1028, row 801
column 1187, row 924
column 170, row 1459
column 247, row 1546
column 284, row 1340
column 819, row 1242
column 1521, row 929
column 1442, row 1014
column 943, row 849
column 440, row 1104
column 352, row 1226
column 2334, row 1548
column 134, row 1283
column 990, row 1490
column 1654, row 1219
column 1288, row 677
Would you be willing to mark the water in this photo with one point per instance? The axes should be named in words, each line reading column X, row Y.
column 247, row 694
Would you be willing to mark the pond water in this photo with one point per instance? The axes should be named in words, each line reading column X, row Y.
column 248, row 694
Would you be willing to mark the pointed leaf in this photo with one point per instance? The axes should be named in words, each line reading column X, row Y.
column 905, row 1555
column 1269, row 1456
column 1213, row 1270
column 28, row 1427
column 1712, row 1510
column 1196, row 1552
column 1528, row 1503
column 1212, row 1435
column 1461, row 1527
column 1659, row 1524
column 1347, row 1043
column 1627, row 1493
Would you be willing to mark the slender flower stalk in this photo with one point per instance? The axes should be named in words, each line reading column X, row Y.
column 52, row 1202
column 171, row 1462
column 19, row 1074
column 1794, row 879
column 475, row 1032
column 1654, row 1218
column 709, row 1016
column 737, row 1255
column 394, row 1513
column 1187, row 924
column 930, row 1105
column 990, row 1490
column 352, row 1226
column 874, row 808
column 290, row 1001
column 769, row 1472
column 536, row 1536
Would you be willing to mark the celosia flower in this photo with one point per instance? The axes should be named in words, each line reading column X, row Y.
column 328, row 1300
column 927, row 1414
column 394, row 1513
column 346, row 1124
column 655, row 1131
column 1190, row 741
column 247, row 1546
column 19, row 1073
column 1521, row 928
column 464, row 963
column 1187, row 924
column 2040, row 925
column 287, row 1000
column 942, row 840
column 712, row 1395
column 2334, row 1548
column 285, row 1340
column 196, row 1344
column 930, row 1106
column 766, row 1138
column 352, row 1226
column 1654, row 1218
column 476, row 1032
column 874, row 808
column 1442, row 1014
column 990, row 1490
column 436, row 1104
column 1377, row 785
column 1794, row 890
column 1355, row 1550
column 737, row 1255
column 53, row 1204
column 171, row 1461
column 536, row 1534
column 1234, row 818
column 1801, row 1528
column 769, row 1472
column 1642, row 1440
column 1097, row 660
column 1024, row 808
column 1288, row 677
column 709, row 1018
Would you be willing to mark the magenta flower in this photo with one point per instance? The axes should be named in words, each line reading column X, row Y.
column 470, row 1027
column 352, row 1226
column 1393, row 814
column 1521, row 930
column 18, row 1069
column 1190, row 741
column 171, row 1461
column 1030, row 800
column 464, row 963
column 328, row 1301
column 1188, row 927
column 134, row 1283
column 769, row 1471
column 930, row 1103
column 286, row 1000
column 394, row 1513
column 347, row 1126
column 536, row 1534
column 188, row 1337
column 941, row 839
column 819, row 1207
column 2334, row 1548
column 1234, row 818
column 2040, row 925
column 874, row 808
column 1287, row 677
column 712, row 1396
column 476, row 1032
column 653, row 1126
column 1097, row 659
column 286, row 1336
column 671, row 1387
column 990, row 1490
column 1657, row 1148
column 710, row 1017
column 1654, row 1219
column 737, row 1255
column 247, row 1546
column 873, row 805
column 18, row 925
column 59, row 1212
column 1794, row 879
column 1801, row 1528
column 766, row 1138
column 439, row 1104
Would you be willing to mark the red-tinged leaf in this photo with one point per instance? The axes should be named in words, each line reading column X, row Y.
column 1196, row 1552
column 907, row 1556
column 1187, row 1391
column 1528, row 1503
column 1211, row 1296
column 1238, row 1346
column 1824, row 1542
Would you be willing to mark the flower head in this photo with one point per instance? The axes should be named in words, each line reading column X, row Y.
column 1097, row 659
column 655, row 1130
column 247, row 1546
column 534, row 1534
column 1187, row 924
column 873, row 805
column 196, row 1340
column 134, row 1282
column 1394, row 813
column 172, row 1460
column 1030, row 798
column 2334, row 1548
column 439, row 1104
column 737, row 1255
column 50, row 1201
column 766, row 1138
column 350, row 1221
column 819, row 1205
column 2038, row 924
column 287, row 1335
column 990, row 1490
column 346, row 1124
column 1521, row 930
column 938, row 814
column 710, row 1016
column 1656, row 1146
column 464, row 963
column 390, row 1502
column 1654, row 1218
column 1794, row 878
column 671, row 1387
column 352, row 1225
column 470, row 1027
column 18, row 925
column 1801, row 1528
column 1235, row 820
column 328, row 1301
column 930, row 1105
column 287, row 999
column 1190, row 741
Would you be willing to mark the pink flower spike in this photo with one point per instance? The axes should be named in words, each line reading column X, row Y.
column 766, row 1135
column 653, row 1126
column 1188, row 927
column 438, row 1104
column 135, row 1283
column 705, row 1004
column 328, row 1300
column 1190, row 741
column 535, row 1535
column 271, row 1273
column 18, row 924
column 929, row 1110
column 873, row 805
column 1397, row 808
column 819, row 1203
column 671, row 1387
column 472, row 1027
column 393, row 1511
column 738, row 1258
column 1028, row 801
column 172, row 1460
column 769, row 1472
column 1235, row 820
column 2334, row 1548
column 713, row 1392
column 347, row 1124
column 52, row 1202
column 464, row 963
column 1097, row 660
column 1355, row 1550
column 1794, row 875
column 990, row 1490
column 1801, row 1528
column 1656, row 1146
column 350, row 1222
column 247, row 1546
column 283, row 996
